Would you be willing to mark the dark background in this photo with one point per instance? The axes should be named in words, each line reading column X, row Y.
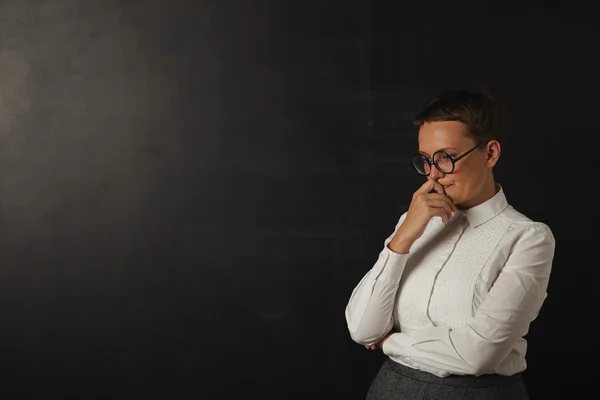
column 189, row 190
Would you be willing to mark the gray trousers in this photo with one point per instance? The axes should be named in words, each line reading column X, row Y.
column 397, row 382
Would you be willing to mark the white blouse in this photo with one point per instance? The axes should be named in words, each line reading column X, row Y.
column 462, row 300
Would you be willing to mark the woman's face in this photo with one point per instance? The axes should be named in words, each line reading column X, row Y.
column 472, row 173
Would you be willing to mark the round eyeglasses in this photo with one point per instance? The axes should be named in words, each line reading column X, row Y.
column 443, row 161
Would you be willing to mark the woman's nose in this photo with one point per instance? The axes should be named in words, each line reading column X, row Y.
column 435, row 173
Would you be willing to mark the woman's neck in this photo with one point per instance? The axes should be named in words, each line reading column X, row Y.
column 488, row 191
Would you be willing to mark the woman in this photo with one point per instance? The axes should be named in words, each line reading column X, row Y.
column 458, row 282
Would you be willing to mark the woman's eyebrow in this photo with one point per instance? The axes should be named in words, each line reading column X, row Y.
column 442, row 149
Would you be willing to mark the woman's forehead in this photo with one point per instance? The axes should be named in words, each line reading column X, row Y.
column 443, row 135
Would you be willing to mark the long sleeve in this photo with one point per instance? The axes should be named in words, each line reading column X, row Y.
column 503, row 317
column 369, row 310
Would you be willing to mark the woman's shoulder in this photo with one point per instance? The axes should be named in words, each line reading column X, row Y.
column 518, row 218
column 524, row 225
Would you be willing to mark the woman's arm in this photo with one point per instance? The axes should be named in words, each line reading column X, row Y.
column 502, row 319
column 369, row 310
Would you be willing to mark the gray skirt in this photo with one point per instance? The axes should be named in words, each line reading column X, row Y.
column 397, row 382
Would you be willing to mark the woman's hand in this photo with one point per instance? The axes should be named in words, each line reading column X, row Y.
column 423, row 207
column 380, row 344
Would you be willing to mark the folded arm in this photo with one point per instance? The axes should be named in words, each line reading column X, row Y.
column 369, row 312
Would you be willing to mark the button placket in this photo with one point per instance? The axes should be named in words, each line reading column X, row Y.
column 465, row 224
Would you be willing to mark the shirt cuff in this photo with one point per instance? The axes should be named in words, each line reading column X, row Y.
column 398, row 344
column 391, row 266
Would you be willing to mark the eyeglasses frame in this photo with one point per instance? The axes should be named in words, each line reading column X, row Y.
column 452, row 159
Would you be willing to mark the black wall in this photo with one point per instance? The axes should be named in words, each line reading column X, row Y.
column 189, row 190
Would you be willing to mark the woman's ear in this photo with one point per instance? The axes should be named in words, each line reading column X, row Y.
column 493, row 150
